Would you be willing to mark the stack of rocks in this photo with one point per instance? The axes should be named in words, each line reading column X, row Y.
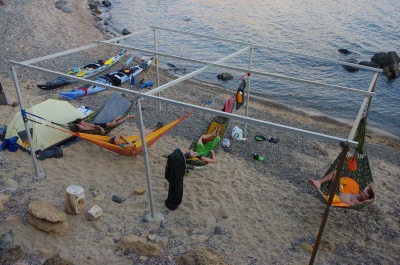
column 44, row 216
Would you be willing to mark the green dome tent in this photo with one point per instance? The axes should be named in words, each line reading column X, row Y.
column 43, row 137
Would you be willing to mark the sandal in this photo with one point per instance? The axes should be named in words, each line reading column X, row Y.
column 259, row 137
column 273, row 140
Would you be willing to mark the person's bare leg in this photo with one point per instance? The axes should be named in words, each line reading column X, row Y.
column 118, row 120
column 219, row 131
column 206, row 136
column 317, row 183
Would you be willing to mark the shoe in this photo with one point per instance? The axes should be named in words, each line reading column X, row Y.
column 258, row 137
column 159, row 125
column 273, row 140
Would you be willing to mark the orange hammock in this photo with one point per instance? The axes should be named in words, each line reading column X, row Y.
column 137, row 149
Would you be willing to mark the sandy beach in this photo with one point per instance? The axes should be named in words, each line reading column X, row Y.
column 236, row 211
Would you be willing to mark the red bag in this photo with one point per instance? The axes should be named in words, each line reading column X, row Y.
column 352, row 163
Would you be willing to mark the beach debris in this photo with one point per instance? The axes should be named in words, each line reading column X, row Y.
column 3, row 200
column 139, row 245
column 138, row 191
column 328, row 245
column 307, row 247
column 8, row 252
column 237, row 134
column 60, row 4
column 225, row 76
column 44, row 216
column 152, row 237
column 117, row 199
column 202, row 256
column 99, row 197
column 11, row 255
column 57, row 260
column 106, row 3
column 125, row 32
column 7, row 240
column 10, row 184
column 171, row 65
column 94, row 213
column 75, row 199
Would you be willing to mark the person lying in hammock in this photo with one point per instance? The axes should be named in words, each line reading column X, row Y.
column 85, row 126
column 367, row 195
column 127, row 144
column 203, row 149
column 117, row 141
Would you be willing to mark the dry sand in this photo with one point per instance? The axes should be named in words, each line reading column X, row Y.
column 249, row 212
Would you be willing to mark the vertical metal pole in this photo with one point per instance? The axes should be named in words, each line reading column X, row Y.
column 146, row 157
column 156, row 62
column 23, row 114
column 329, row 203
column 247, row 91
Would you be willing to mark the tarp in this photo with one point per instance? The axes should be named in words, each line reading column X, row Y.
column 51, row 110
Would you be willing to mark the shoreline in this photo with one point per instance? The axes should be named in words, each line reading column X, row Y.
column 249, row 212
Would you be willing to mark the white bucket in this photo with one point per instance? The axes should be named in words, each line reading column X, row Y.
column 75, row 199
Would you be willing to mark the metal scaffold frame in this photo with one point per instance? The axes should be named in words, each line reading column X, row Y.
column 155, row 94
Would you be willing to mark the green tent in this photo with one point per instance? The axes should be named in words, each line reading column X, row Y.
column 50, row 111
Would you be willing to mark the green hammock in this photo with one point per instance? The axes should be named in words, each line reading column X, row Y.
column 362, row 175
column 216, row 121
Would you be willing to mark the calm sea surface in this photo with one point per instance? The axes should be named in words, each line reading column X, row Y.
column 317, row 28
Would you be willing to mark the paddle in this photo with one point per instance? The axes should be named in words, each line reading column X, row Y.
column 126, row 66
column 128, row 62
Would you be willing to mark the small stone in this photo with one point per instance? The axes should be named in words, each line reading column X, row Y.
column 117, row 199
column 143, row 258
column 99, row 198
column 10, row 184
column 92, row 187
column 67, row 9
column 138, row 191
column 15, row 104
column 126, row 32
column 152, row 237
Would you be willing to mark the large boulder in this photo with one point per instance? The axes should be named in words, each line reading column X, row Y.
column 389, row 61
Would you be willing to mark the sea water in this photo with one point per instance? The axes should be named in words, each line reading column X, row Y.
column 317, row 28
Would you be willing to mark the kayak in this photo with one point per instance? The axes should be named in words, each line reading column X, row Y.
column 84, row 71
column 113, row 79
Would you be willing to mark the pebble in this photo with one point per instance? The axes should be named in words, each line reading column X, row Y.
column 117, row 199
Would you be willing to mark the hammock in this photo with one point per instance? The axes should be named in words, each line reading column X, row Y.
column 137, row 149
column 362, row 175
column 116, row 105
column 217, row 121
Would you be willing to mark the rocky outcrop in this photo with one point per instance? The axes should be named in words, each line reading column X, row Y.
column 224, row 76
column 44, row 216
column 388, row 61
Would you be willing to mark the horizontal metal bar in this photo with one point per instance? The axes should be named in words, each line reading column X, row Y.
column 178, row 80
column 254, row 45
column 298, row 131
column 61, row 53
column 353, row 90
